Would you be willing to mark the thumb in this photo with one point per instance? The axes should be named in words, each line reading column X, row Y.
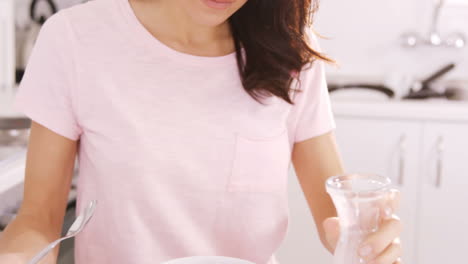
column 331, row 227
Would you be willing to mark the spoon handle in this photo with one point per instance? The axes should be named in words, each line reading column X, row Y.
column 46, row 251
column 77, row 226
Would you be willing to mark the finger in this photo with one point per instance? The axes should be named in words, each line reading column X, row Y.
column 390, row 255
column 376, row 242
column 398, row 261
column 331, row 226
column 391, row 204
column 394, row 197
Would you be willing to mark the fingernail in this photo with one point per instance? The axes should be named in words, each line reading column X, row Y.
column 388, row 212
column 365, row 251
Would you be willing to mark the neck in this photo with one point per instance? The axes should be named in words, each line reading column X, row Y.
column 171, row 25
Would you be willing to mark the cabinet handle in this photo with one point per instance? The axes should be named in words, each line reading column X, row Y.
column 440, row 154
column 401, row 162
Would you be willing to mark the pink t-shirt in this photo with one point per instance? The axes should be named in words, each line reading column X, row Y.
column 181, row 159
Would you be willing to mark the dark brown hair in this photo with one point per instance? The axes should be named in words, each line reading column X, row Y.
column 272, row 34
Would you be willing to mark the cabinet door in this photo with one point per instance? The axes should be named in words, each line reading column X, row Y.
column 442, row 234
column 384, row 147
column 388, row 148
column 7, row 50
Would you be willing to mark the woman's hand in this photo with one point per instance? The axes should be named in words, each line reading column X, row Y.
column 381, row 247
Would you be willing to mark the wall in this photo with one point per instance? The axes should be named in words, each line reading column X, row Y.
column 364, row 36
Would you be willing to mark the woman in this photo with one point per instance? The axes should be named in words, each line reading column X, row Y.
column 184, row 115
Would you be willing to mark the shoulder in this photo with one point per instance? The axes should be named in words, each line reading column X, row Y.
column 315, row 68
column 89, row 18
column 312, row 79
column 312, row 37
column 80, row 29
column 90, row 11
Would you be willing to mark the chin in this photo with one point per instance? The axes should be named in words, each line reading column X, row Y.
column 209, row 20
column 203, row 14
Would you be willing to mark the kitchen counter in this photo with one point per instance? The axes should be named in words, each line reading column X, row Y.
column 434, row 109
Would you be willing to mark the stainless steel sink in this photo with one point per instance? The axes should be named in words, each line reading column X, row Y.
column 14, row 134
column 14, row 131
column 14, row 123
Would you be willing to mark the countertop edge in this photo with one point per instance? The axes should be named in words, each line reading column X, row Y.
column 445, row 111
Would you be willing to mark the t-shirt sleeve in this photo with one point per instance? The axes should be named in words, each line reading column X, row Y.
column 45, row 94
column 311, row 114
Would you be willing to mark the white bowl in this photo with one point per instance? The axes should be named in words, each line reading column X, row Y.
column 208, row 260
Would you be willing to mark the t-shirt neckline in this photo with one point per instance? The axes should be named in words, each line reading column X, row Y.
column 152, row 43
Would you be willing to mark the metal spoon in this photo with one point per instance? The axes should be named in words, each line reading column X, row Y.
column 77, row 226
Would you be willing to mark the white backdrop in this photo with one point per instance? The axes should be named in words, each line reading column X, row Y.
column 364, row 36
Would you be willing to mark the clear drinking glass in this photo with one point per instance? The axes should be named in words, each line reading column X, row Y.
column 360, row 201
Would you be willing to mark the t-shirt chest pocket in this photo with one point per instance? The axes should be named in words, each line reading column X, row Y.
column 260, row 165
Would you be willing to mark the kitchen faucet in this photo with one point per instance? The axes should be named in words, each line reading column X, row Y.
column 434, row 35
column 455, row 39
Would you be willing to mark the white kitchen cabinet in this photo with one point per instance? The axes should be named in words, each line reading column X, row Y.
column 443, row 213
column 388, row 148
column 423, row 147
column 302, row 244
